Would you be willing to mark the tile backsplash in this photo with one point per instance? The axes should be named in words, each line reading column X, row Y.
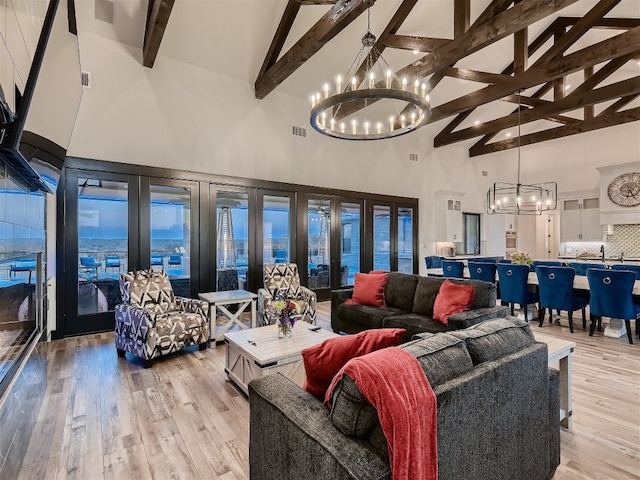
column 625, row 240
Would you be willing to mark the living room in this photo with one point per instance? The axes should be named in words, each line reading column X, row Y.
column 194, row 117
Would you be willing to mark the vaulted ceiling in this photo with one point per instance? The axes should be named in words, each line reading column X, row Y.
column 574, row 66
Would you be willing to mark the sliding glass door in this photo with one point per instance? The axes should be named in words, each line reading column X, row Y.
column 350, row 245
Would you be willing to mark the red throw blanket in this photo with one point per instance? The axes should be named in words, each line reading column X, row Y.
column 393, row 382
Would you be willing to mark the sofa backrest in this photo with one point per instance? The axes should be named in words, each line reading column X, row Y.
column 427, row 289
column 443, row 357
column 400, row 290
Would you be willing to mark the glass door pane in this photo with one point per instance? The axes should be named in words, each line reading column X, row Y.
column 276, row 225
column 102, row 243
column 350, row 221
column 232, row 247
column 170, row 234
column 319, row 234
column 381, row 237
column 471, row 239
column 405, row 240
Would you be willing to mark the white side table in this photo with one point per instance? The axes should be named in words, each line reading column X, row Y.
column 220, row 301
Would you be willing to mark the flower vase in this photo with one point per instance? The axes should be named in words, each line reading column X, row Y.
column 284, row 329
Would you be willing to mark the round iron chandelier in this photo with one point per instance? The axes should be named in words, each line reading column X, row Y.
column 377, row 106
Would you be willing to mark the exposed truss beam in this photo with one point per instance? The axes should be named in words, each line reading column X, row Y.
column 618, row 46
column 536, row 102
column 544, row 110
column 596, row 123
column 616, row 106
column 284, row 27
column 158, row 15
column 461, row 17
column 612, row 23
column 333, row 22
column 474, row 75
column 406, row 42
column 316, row 2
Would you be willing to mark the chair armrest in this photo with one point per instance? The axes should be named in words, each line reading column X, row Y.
column 338, row 297
column 264, row 298
column 136, row 316
column 458, row 321
column 312, row 447
column 309, row 296
column 193, row 305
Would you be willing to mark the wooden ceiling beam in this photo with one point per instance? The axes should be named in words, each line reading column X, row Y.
column 503, row 24
column 284, row 27
column 333, row 22
column 616, row 106
column 406, row 42
column 461, row 17
column 567, row 104
column 158, row 14
column 604, row 23
column 623, row 44
column 474, row 75
column 597, row 123
column 536, row 102
column 316, row 2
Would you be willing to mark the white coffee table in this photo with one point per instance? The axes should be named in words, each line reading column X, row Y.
column 257, row 352
column 560, row 351
column 219, row 303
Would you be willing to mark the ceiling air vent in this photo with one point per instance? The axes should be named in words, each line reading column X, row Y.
column 413, row 157
column 84, row 78
column 299, row 131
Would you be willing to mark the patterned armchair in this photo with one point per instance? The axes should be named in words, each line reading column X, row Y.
column 151, row 321
column 284, row 277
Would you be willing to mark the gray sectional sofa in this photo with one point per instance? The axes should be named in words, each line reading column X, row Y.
column 410, row 300
column 497, row 410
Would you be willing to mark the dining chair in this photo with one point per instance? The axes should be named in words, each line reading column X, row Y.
column 611, row 296
column 484, row 260
column 505, row 260
column 485, row 271
column 452, row 269
column 513, row 279
column 625, row 266
column 555, row 287
column 581, row 267
column 547, row 263
column 433, row 261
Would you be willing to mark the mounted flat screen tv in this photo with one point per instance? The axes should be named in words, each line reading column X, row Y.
column 34, row 142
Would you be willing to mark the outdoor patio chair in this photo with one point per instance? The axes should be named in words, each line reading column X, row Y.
column 112, row 261
column 151, row 321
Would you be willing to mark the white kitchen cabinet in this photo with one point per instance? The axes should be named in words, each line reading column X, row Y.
column 450, row 224
column 580, row 219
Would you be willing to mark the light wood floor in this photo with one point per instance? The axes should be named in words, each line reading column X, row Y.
column 105, row 417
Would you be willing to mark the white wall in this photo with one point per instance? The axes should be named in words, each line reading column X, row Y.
column 180, row 116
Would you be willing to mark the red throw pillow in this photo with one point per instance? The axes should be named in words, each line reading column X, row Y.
column 324, row 360
column 368, row 289
column 452, row 299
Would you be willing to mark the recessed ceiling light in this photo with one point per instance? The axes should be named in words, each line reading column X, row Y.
column 477, row 122
column 508, row 134
column 416, row 52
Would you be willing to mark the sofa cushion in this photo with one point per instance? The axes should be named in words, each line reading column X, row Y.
column 368, row 289
column 323, row 361
column 426, row 291
column 452, row 298
column 400, row 290
column 413, row 324
column 494, row 339
column 366, row 315
column 442, row 357
column 485, row 292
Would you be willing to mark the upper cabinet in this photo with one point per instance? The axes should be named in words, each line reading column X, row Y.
column 449, row 216
column 580, row 217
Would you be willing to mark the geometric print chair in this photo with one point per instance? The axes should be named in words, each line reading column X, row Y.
column 151, row 321
column 284, row 278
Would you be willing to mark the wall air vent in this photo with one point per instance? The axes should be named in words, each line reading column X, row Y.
column 84, row 78
column 485, row 173
column 299, row 131
column 413, row 157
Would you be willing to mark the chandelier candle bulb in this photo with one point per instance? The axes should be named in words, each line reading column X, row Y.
column 326, row 90
column 424, row 90
column 389, row 78
column 339, row 84
column 402, row 119
column 404, row 83
column 379, row 127
column 416, row 87
column 342, row 127
column 366, row 128
column 391, row 124
column 371, row 78
column 354, row 126
column 353, row 83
